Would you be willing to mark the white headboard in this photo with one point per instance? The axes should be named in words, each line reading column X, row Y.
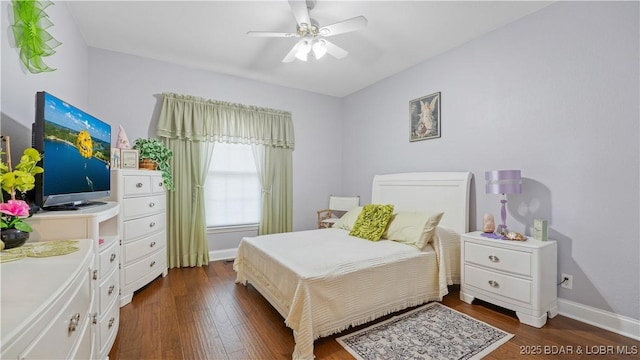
column 427, row 191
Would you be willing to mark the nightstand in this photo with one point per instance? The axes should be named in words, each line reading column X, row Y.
column 517, row 275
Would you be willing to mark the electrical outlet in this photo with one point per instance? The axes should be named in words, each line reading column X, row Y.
column 568, row 283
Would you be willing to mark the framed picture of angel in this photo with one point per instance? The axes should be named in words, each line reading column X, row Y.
column 425, row 117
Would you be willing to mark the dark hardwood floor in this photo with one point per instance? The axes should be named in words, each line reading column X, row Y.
column 200, row 313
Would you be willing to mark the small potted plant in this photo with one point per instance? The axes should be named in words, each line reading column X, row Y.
column 14, row 231
column 154, row 152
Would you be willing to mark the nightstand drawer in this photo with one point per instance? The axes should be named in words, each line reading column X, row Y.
column 517, row 262
column 502, row 285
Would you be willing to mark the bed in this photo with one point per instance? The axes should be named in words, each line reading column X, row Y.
column 324, row 281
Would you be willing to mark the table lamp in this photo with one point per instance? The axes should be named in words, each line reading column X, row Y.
column 503, row 182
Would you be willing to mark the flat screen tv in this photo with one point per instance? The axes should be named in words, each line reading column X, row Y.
column 76, row 150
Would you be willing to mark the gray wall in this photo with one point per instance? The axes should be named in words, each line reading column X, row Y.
column 69, row 82
column 126, row 90
column 554, row 94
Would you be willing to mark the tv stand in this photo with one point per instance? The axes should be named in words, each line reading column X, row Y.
column 66, row 207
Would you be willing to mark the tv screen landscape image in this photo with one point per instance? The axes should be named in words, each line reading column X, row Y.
column 76, row 149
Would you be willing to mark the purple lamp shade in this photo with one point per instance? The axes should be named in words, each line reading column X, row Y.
column 503, row 182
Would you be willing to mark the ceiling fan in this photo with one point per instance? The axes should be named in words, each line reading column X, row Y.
column 313, row 35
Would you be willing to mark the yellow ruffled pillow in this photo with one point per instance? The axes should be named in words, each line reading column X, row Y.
column 372, row 221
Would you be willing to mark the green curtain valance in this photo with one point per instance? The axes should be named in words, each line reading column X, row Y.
column 197, row 119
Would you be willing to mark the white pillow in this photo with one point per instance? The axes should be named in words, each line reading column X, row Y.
column 347, row 221
column 412, row 227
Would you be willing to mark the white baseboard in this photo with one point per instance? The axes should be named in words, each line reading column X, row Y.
column 225, row 254
column 618, row 324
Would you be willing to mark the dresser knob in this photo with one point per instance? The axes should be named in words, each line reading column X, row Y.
column 95, row 274
column 153, row 243
column 73, row 323
column 139, row 185
column 494, row 258
column 113, row 257
column 494, row 283
column 111, row 288
column 111, row 322
column 152, row 263
column 152, row 204
column 152, row 224
column 160, row 184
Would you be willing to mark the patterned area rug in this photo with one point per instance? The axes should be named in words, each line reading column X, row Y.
column 432, row 331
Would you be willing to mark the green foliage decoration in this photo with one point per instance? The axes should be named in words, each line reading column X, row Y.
column 154, row 150
column 30, row 33
column 22, row 178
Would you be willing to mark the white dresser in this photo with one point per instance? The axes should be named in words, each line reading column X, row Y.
column 517, row 275
column 100, row 224
column 142, row 225
column 47, row 306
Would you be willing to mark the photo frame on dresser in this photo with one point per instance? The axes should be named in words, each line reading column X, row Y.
column 424, row 119
column 129, row 159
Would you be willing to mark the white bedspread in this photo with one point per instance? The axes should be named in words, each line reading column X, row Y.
column 324, row 281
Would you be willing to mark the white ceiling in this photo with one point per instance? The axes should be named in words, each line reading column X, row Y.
column 211, row 35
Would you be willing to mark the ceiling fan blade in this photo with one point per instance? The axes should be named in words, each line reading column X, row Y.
column 353, row 24
column 292, row 53
column 335, row 50
column 271, row 34
column 300, row 11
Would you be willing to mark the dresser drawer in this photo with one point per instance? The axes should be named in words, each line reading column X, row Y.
column 143, row 247
column 108, row 327
column 502, row 285
column 136, row 185
column 58, row 339
column 157, row 184
column 143, row 226
column 142, row 206
column 155, row 263
column 518, row 262
column 109, row 291
column 109, row 259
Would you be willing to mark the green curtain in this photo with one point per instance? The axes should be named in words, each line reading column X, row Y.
column 190, row 126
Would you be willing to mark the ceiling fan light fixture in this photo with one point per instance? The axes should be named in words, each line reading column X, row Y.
column 319, row 49
column 304, row 47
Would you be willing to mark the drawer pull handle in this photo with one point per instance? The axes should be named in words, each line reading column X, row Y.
column 152, row 204
column 153, row 243
column 152, row 263
column 73, row 323
column 494, row 284
column 113, row 257
column 139, row 185
column 111, row 322
column 111, row 288
column 160, row 184
column 494, row 258
column 94, row 318
column 152, row 224
column 95, row 274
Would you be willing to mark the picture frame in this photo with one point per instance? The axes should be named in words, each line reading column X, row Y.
column 129, row 159
column 424, row 118
column 115, row 158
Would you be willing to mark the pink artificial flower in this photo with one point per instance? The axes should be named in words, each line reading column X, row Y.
column 15, row 208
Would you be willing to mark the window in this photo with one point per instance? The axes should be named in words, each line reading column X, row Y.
column 232, row 190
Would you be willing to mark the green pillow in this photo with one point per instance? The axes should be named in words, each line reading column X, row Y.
column 372, row 222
